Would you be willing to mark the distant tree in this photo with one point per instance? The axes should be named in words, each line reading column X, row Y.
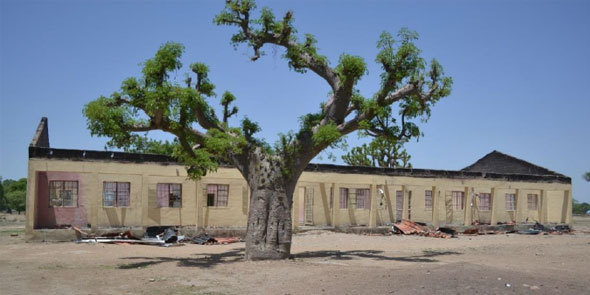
column 380, row 152
column 145, row 145
column 410, row 87
column 15, row 192
column 580, row 208
column 3, row 201
column 587, row 176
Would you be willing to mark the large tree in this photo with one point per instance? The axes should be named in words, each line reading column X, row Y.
column 409, row 88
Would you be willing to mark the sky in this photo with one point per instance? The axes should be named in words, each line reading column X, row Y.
column 520, row 71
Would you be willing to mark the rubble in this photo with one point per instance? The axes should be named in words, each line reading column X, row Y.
column 160, row 236
column 408, row 227
column 540, row 229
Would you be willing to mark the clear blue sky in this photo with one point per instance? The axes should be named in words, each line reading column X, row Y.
column 520, row 70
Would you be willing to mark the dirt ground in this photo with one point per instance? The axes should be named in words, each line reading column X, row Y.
column 323, row 263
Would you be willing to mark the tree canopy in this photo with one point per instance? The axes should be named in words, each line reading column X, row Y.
column 15, row 194
column 587, row 176
column 410, row 87
column 380, row 152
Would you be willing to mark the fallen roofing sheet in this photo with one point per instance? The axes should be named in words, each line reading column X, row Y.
column 408, row 227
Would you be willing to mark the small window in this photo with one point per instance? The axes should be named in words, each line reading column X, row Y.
column 169, row 195
column 115, row 194
column 457, row 200
column 428, row 200
column 343, row 198
column 533, row 201
column 217, row 195
column 363, row 199
column 510, row 202
column 63, row 193
column 483, row 203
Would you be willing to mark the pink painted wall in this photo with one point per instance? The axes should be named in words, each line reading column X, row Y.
column 52, row 217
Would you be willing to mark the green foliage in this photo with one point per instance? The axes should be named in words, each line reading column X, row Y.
column 154, row 102
column 326, row 135
column 249, row 128
column 586, row 176
column 351, row 68
column 144, row 145
column 379, row 153
column 267, row 29
column 580, row 208
column 15, row 193
column 3, row 201
column 167, row 59
column 226, row 99
column 221, row 144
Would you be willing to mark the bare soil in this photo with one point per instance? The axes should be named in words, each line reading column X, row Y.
column 323, row 263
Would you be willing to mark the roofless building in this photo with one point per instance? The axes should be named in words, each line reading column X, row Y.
column 103, row 189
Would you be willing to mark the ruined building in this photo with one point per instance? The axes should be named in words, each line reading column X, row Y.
column 102, row 189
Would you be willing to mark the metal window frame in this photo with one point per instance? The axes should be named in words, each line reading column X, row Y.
column 62, row 189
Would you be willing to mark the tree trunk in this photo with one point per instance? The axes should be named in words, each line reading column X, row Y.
column 269, row 222
column 269, row 218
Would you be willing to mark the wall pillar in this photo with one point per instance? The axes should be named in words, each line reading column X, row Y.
column 435, row 199
column 468, row 201
column 520, row 205
column 30, row 202
column 568, row 213
column 404, row 202
column 373, row 212
column 494, row 200
column 545, row 206
column 541, row 206
column 295, row 209
column 198, row 193
column 97, row 206
column 335, row 204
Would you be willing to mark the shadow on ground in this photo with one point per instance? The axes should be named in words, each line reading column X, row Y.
column 426, row 256
column 207, row 260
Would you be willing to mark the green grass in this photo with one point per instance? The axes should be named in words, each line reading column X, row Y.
column 10, row 231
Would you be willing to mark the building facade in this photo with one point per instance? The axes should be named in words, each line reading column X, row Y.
column 101, row 189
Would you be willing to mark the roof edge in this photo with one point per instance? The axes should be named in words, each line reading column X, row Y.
column 82, row 155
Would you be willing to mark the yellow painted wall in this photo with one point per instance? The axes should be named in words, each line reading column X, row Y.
column 144, row 178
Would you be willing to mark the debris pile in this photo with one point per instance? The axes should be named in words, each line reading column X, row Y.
column 540, row 229
column 408, row 227
column 159, row 236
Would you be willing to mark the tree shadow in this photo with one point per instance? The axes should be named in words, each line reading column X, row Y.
column 203, row 260
column 426, row 256
column 208, row 260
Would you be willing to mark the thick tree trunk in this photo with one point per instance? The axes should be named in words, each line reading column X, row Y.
column 269, row 223
column 271, row 195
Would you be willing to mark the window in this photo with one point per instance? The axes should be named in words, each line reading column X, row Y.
column 217, row 195
column 457, row 200
column 115, row 194
column 484, row 202
column 510, row 202
column 343, row 198
column 63, row 193
column 169, row 195
column 532, row 201
column 363, row 199
column 428, row 200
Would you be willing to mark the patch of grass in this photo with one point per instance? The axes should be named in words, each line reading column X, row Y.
column 52, row 267
column 10, row 231
column 179, row 290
